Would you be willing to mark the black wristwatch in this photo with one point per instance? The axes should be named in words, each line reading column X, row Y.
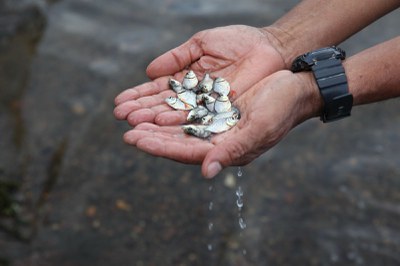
column 326, row 64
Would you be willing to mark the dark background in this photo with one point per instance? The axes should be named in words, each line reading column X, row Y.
column 72, row 193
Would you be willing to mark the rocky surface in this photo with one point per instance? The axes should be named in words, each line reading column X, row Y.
column 71, row 193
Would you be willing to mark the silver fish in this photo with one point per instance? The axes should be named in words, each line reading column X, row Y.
column 222, row 125
column 190, row 80
column 188, row 97
column 217, row 126
column 176, row 85
column 197, row 131
column 233, row 112
column 221, row 86
column 197, row 113
column 210, row 117
column 222, row 104
column 206, row 120
column 199, row 98
column 209, row 101
column 206, row 84
column 177, row 104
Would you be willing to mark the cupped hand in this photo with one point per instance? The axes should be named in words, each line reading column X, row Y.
column 242, row 55
column 269, row 110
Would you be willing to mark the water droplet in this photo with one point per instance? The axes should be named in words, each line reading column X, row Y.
column 210, row 247
column 239, row 203
column 242, row 224
column 210, row 188
column 244, row 251
column 210, row 206
column 239, row 192
column 239, row 172
column 210, row 226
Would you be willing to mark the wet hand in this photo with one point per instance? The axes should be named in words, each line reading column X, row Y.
column 243, row 55
column 270, row 109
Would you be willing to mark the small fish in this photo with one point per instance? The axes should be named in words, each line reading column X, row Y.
column 197, row 131
column 209, row 101
column 197, row 113
column 190, row 80
column 176, row 85
column 206, row 84
column 217, row 126
column 188, row 97
column 199, row 98
column 233, row 112
column 207, row 120
column 177, row 104
column 222, row 125
column 221, row 86
column 222, row 104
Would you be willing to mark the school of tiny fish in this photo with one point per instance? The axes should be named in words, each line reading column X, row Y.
column 208, row 103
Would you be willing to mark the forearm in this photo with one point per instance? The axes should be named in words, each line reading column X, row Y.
column 374, row 74
column 318, row 23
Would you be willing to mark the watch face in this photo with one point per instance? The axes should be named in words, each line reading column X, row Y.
column 307, row 60
column 326, row 53
column 299, row 64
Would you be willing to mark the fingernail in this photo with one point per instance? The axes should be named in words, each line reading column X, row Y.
column 213, row 169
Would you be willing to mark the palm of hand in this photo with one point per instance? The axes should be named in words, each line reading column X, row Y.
column 269, row 110
column 242, row 55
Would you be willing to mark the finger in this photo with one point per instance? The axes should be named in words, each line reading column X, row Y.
column 176, row 147
column 149, row 130
column 218, row 158
column 145, row 89
column 122, row 110
column 173, row 130
column 167, row 133
column 175, row 150
column 140, row 116
column 174, row 117
column 176, row 59
column 155, row 103
column 229, row 149
column 161, row 115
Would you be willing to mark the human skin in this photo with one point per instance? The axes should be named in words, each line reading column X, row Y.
column 261, row 90
column 264, row 122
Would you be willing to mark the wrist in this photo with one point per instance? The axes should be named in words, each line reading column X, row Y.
column 287, row 44
column 311, row 99
column 281, row 40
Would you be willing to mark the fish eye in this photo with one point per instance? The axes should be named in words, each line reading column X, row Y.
column 236, row 116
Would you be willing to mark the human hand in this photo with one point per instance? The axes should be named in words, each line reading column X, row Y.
column 269, row 110
column 242, row 55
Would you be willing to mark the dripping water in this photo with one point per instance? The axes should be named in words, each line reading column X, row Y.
column 210, row 209
column 240, row 204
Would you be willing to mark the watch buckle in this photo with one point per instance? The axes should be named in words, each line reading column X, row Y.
column 338, row 108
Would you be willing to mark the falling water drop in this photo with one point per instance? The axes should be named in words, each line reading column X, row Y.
column 239, row 192
column 239, row 173
column 210, row 212
column 210, row 226
column 242, row 224
column 239, row 203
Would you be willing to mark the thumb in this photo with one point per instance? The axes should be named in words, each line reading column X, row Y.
column 176, row 59
column 222, row 155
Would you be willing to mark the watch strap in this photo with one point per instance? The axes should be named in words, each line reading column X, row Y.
column 332, row 83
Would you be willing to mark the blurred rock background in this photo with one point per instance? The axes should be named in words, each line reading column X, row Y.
column 72, row 193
